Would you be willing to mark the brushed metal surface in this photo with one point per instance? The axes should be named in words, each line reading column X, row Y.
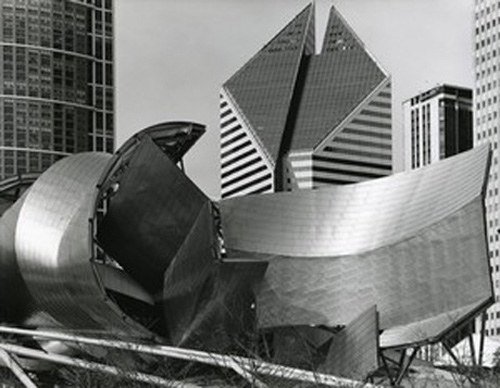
column 429, row 329
column 442, row 268
column 413, row 244
column 352, row 219
column 301, row 346
column 354, row 350
column 150, row 215
column 174, row 138
column 209, row 304
column 54, row 250
column 15, row 301
column 187, row 277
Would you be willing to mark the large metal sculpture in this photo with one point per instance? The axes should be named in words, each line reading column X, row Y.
column 127, row 244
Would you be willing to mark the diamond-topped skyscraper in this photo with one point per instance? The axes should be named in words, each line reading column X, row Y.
column 294, row 119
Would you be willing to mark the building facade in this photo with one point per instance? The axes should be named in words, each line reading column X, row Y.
column 56, row 81
column 486, row 125
column 294, row 119
column 437, row 124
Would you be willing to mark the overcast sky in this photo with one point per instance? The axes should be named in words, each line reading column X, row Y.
column 172, row 56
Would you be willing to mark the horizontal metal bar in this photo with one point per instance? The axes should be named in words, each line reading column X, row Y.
column 93, row 366
column 255, row 366
column 248, row 376
column 14, row 366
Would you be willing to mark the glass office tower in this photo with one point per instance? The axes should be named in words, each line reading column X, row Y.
column 56, row 81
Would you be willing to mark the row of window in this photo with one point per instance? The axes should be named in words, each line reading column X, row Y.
column 486, row 103
column 107, row 4
column 66, row 31
column 52, row 126
column 487, row 10
column 19, row 162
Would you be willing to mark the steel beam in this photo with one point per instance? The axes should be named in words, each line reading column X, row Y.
column 11, row 363
column 481, row 339
column 402, row 372
column 255, row 366
column 93, row 366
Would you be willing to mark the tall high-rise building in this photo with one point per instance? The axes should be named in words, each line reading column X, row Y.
column 293, row 119
column 56, row 81
column 486, row 120
column 437, row 124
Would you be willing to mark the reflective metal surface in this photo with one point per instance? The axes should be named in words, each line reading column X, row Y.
column 149, row 215
column 15, row 300
column 353, row 352
column 142, row 208
column 413, row 244
column 352, row 219
column 173, row 138
column 53, row 244
column 430, row 329
column 128, row 245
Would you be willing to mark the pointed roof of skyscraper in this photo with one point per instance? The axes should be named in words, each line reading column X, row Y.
column 263, row 88
column 337, row 81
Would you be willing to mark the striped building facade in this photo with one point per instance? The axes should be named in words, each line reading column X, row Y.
column 437, row 124
column 292, row 119
column 486, row 130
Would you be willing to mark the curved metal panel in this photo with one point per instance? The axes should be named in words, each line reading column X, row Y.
column 14, row 306
column 413, row 244
column 53, row 245
column 352, row 219
column 219, row 313
column 174, row 138
column 430, row 329
column 438, row 270
column 186, row 277
column 150, row 215
column 354, row 350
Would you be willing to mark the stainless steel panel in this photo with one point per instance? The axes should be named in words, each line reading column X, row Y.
column 440, row 269
column 428, row 330
column 117, row 280
column 150, row 215
column 187, row 277
column 15, row 301
column 54, row 248
column 218, row 314
column 352, row 219
column 354, row 350
column 174, row 138
column 301, row 346
column 413, row 244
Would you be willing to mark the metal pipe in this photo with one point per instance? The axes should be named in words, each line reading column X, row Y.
column 94, row 366
column 387, row 369
column 402, row 373
column 472, row 350
column 248, row 376
column 14, row 366
column 481, row 338
column 256, row 366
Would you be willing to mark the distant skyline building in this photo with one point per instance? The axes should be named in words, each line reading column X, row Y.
column 56, row 81
column 486, row 116
column 437, row 124
column 294, row 119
